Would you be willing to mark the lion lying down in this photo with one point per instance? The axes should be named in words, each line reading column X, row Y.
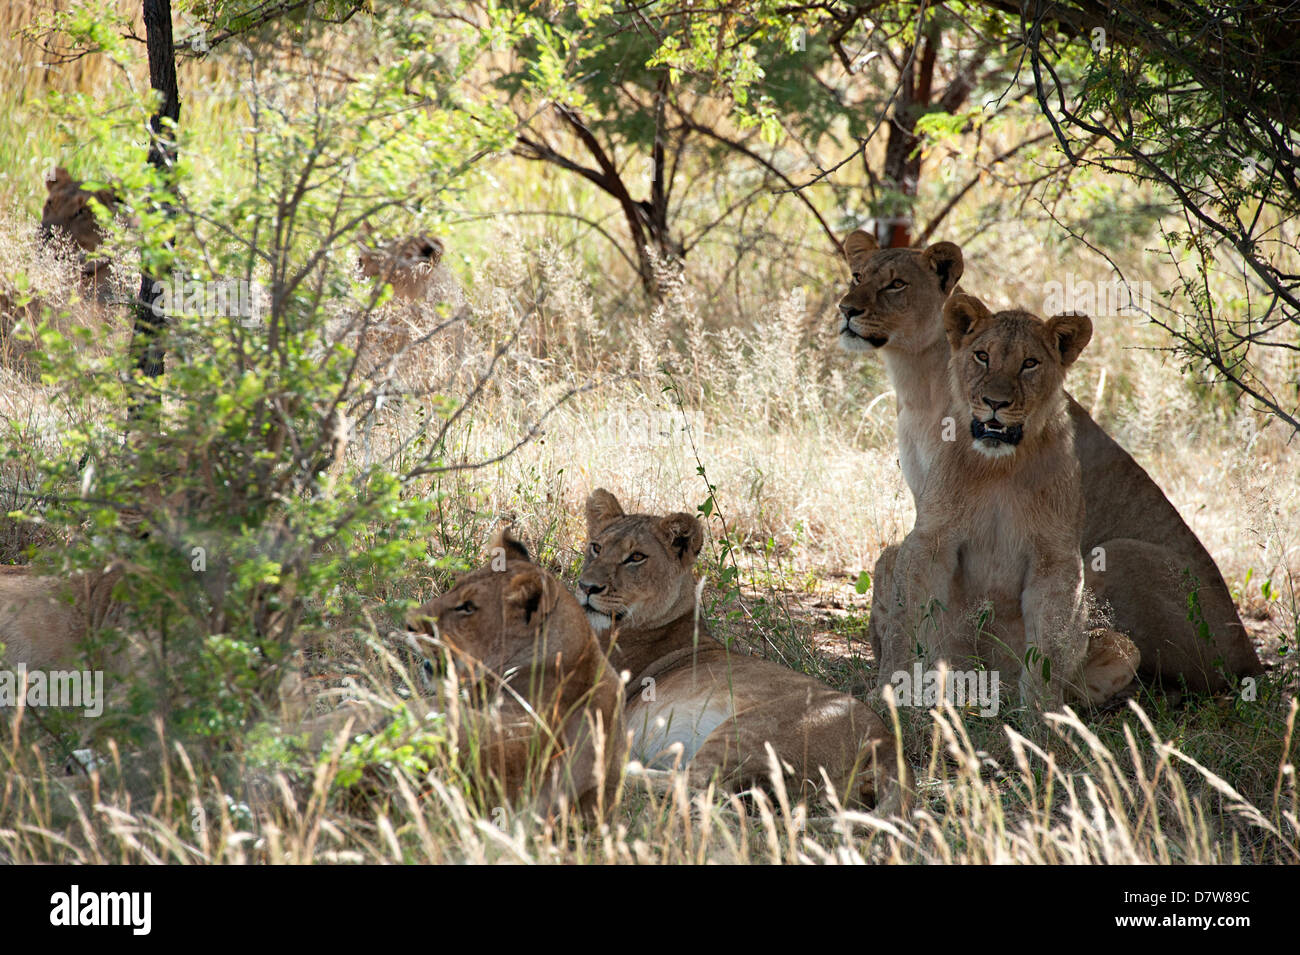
column 535, row 703
column 717, row 710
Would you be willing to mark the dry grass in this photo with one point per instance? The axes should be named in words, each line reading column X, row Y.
column 798, row 442
column 1072, row 799
column 733, row 382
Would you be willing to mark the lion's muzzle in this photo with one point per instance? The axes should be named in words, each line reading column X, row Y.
column 994, row 431
column 850, row 336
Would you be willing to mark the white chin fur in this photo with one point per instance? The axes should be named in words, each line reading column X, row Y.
column 851, row 342
column 599, row 621
column 994, row 449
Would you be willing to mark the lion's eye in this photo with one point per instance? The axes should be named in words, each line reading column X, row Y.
column 857, row 278
column 595, row 548
column 467, row 607
column 982, row 357
column 896, row 286
column 634, row 558
column 1029, row 363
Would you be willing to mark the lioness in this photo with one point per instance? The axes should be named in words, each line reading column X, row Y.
column 540, row 712
column 43, row 619
column 68, row 212
column 1161, row 585
column 895, row 307
column 68, row 222
column 413, row 342
column 992, row 567
column 719, row 706
column 407, row 264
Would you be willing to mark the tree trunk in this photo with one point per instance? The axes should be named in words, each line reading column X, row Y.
column 145, row 345
column 902, row 149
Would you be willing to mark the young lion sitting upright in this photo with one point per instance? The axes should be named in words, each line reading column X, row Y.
column 1143, row 562
column 992, row 572
column 541, row 704
column 715, row 709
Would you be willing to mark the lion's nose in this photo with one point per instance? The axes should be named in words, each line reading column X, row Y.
column 994, row 404
column 591, row 589
column 849, row 311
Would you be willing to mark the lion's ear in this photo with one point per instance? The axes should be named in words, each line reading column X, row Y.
column 945, row 258
column 433, row 249
column 961, row 314
column 859, row 245
column 505, row 540
column 602, row 510
column 530, row 596
column 1071, row 333
column 683, row 535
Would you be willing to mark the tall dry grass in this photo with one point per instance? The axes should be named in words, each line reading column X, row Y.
column 1070, row 799
column 731, row 388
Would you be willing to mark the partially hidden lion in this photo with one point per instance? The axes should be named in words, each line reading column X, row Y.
column 69, row 229
column 535, row 703
column 991, row 574
column 422, row 339
column 411, row 264
column 1141, row 560
column 716, row 710
column 70, row 213
column 45, row 619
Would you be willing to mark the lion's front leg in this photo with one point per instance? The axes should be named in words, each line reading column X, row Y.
column 886, row 605
column 924, row 575
column 1056, row 641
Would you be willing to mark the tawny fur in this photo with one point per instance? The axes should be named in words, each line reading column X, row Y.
column 541, row 705
column 411, row 327
column 993, row 566
column 69, row 213
column 44, row 620
column 722, row 707
column 70, row 229
column 1152, row 559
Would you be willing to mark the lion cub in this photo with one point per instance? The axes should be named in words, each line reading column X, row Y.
column 536, row 703
column 992, row 572
column 692, row 699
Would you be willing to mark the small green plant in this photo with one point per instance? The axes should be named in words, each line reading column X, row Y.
column 406, row 743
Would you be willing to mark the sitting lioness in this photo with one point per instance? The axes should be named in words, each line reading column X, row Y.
column 69, row 212
column 1161, row 585
column 540, row 709
column 691, row 699
column 991, row 574
column 412, row 265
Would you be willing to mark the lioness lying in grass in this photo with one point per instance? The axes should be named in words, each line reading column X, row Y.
column 717, row 710
column 533, row 701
